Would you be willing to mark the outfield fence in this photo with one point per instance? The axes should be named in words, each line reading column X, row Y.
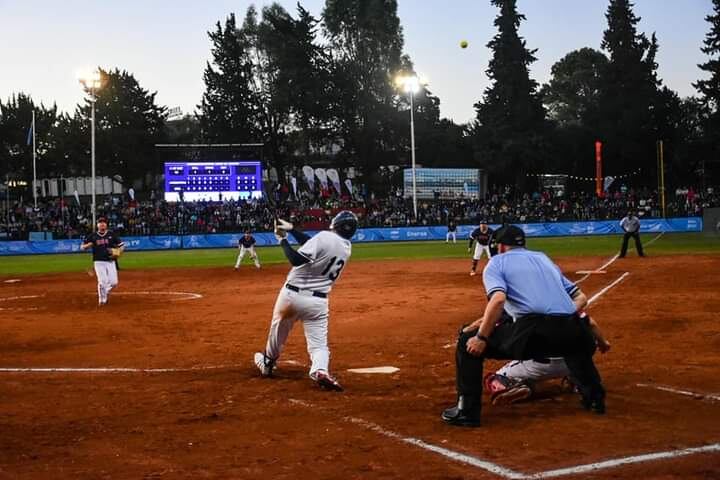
column 399, row 234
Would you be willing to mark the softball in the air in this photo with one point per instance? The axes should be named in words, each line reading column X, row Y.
column 464, row 44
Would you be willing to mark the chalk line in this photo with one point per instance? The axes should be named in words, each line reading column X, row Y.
column 616, row 256
column 606, row 288
column 657, row 237
column 189, row 295
column 111, row 369
column 687, row 393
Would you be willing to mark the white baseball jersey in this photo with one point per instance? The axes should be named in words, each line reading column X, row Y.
column 328, row 253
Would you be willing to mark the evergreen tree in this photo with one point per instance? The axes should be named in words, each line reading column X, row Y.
column 510, row 116
column 227, row 110
column 629, row 92
column 710, row 95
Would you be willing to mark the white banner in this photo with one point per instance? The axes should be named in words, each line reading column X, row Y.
column 293, row 181
column 309, row 176
column 348, row 184
column 131, row 192
column 332, row 174
column 322, row 176
column 608, row 181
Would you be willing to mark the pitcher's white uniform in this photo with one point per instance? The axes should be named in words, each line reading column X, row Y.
column 304, row 297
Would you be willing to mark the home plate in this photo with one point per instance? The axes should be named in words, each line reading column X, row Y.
column 374, row 370
column 588, row 272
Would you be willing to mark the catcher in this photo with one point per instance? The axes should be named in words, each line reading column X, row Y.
column 106, row 248
column 515, row 381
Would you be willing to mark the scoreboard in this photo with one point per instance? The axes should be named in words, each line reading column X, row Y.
column 199, row 181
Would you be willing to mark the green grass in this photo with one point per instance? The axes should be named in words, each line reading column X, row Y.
column 556, row 247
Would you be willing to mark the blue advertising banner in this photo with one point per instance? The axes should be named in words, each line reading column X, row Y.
column 399, row 234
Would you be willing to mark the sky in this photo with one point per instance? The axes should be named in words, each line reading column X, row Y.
column 44, row 43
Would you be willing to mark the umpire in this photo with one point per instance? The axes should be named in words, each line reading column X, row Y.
column 631, row 226
column 531, row 313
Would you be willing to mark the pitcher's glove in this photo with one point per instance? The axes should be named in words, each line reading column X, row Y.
column 505, row 390
column 116, row 252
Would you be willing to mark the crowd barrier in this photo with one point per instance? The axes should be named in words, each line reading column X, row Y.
column 401, row 234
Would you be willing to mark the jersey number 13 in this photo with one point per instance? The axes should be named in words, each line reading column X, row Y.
column 340, row 264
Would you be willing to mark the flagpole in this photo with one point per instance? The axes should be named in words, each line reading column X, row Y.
column 34, row 161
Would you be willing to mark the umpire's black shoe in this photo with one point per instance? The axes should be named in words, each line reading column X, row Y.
column 596, row 406
column 465, row 414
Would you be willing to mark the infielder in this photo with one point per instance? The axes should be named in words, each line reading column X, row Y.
column 482, row 236
column 246, row 245
column 106, row 248
column 516, row 380
column 317, row 265
column 451, row 233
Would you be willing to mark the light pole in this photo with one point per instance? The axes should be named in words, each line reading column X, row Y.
column 91, row 82
column 412, row 84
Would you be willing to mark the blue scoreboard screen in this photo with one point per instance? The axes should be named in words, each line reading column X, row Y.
column 199, row 181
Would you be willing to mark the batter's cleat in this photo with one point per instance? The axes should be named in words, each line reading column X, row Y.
column 512, row 395
column 472, row 273
column 326, row 381
column 265, row 364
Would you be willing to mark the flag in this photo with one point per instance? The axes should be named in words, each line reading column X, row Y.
column 30, row 135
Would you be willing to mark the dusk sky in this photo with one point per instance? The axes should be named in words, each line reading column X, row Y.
column 165, row 45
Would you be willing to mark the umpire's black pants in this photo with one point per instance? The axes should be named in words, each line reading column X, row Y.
column 533, row 337
column 638, row 245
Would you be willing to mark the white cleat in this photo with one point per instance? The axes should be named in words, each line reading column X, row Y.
column 473, row 273
column 264, row 363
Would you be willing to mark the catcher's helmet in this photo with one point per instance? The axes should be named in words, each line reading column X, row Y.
column 344, row 224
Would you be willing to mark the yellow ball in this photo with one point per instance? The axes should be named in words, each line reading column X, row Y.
column 464, row 44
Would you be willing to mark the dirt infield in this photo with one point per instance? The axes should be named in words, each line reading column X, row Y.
column 206, row 414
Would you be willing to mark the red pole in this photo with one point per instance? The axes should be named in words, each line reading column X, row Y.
column 598, row 169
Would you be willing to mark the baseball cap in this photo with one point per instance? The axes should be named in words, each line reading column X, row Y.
column 483, row 222
column 511, row 235
column 102, row 220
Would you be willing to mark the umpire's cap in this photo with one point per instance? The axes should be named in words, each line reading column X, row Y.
column 344, row 224
column 511, row 235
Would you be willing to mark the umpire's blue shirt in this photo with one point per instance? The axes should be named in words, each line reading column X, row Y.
column 532, row 283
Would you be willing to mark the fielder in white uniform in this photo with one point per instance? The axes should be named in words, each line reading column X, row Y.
column 246, row 245
column 516, row 380
column 102, row 242
column 317, row 265
column 481, row 236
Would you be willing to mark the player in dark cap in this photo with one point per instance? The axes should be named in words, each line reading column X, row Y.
column 532, row 312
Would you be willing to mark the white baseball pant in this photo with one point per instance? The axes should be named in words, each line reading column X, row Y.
column 535, row 371
column 479, row 249
column 450, row 234
column 313, row 313
column 247, row 251
column 107, row 279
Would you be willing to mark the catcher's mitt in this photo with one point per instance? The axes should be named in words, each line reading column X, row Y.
column 505, row 390
column 116, row 252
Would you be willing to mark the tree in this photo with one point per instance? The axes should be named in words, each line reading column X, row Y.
column 510, row 117
column 128, row 125
column 629, row 93
column 710, row 91
column 365, row 41
column 573, row 94
column 227, row 110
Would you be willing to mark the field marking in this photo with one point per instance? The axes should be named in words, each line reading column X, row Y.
column 615, row 257
column 18, row 297
column 606, row 288
column 510, row 474
column 445, row 452
column 687, row 393
column 188, row 295
column 386, row 370
column 12, row 280
column 616, row 462
column 657, row 237
column 111, row 369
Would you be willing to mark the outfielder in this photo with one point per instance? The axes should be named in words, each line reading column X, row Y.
column 451, row 232
column 246, row 245
column 482, row 236
column 516, row 380
column 317, row 265
column 106, row 248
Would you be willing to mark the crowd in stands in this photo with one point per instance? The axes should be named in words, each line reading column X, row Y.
column 68, row 219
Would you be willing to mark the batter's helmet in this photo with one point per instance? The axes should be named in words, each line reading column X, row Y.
column 344, row 224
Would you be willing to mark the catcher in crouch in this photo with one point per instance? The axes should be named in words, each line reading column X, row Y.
column 515, row 381
column 106, row 248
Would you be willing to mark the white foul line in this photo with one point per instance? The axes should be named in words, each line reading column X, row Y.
column 617, row 255
column 109, row 369
column 688, row 393
column 602, row 292
column 657, row 237
column 505, row 472
column 616, row 462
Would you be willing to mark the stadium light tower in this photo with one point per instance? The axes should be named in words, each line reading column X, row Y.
column 412, row 84
column 91, row 82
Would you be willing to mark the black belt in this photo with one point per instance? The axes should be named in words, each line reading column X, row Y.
column 296, row 289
